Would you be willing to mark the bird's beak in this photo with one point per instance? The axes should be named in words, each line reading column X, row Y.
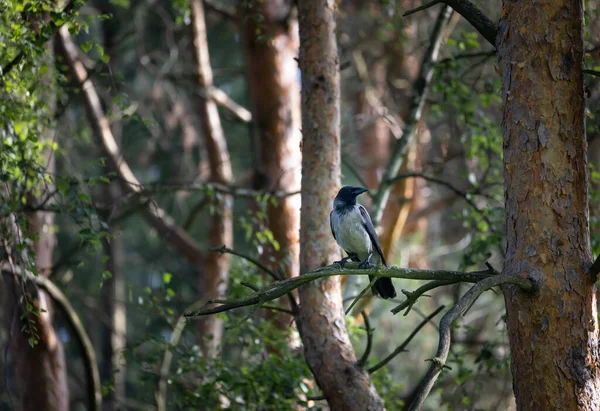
column 360, row 190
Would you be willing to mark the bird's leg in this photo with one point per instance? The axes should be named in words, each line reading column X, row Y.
column 366, row 264
column 344, row 260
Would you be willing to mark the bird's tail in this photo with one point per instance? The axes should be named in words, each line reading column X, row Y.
column 384, row 288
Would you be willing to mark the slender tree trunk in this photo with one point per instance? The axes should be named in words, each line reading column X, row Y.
column 114, row 295
column 321, row 320
column 554, row 334
column 275, row 98
column 216, row 266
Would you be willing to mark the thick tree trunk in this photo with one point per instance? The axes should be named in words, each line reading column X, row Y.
column 275, row 99
column 216, row 266
column 554, row 334
column 321, row 320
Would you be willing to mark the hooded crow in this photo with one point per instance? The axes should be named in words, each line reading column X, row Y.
column 353, row 231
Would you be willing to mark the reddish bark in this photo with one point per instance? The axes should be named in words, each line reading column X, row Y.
column 554, row 334
column 275, row 98
column 321, row 320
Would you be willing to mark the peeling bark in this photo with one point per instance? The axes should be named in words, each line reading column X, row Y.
column 553, row 335
column 321, row 322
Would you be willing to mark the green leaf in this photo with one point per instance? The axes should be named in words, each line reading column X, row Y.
column 167, row 278
column 86, row 46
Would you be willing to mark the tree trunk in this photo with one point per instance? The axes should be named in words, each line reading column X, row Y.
column 321, row 320
column 114, row 316
column 275, row 99
column 40, row 370
column 554, row 334
column 216, row 266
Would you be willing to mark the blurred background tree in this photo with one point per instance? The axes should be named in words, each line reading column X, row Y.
column 138, row 137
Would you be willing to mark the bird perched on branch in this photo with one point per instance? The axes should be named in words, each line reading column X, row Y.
column 353, row 231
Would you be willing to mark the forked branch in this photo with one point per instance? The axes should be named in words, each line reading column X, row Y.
column 462, row 305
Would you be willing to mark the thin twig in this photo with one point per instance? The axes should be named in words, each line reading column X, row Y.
column 405, row 343
column 413, row 296
column 439, row 361
column 261, row 266
column 369, row 330
column 423, row 7
column 226, row 250
column 464, row 195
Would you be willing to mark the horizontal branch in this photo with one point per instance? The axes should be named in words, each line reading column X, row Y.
column 241, row 192
column 281, row 288
column 462, row 305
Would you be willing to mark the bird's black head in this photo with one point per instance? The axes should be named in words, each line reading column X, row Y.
column 347, row 195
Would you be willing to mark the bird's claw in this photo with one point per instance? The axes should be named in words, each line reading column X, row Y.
column 342, row 262
column 366, row 265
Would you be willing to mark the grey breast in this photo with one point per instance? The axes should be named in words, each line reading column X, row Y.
column 351, row 234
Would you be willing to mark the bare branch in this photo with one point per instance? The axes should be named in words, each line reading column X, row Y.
column 280, row 288
column 401, row 348
column 412, row 297
column 478, row 20
column 261, row 266
column 592, row 72
column 221, row 98
column 420, row 8
column 223, row 249
column 439, row 361
column 415, row 111
column 464, row 195
column 241, row 192
column 156, row 217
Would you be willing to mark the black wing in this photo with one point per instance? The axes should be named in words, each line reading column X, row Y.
column 331, row 225
column 368, row 224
